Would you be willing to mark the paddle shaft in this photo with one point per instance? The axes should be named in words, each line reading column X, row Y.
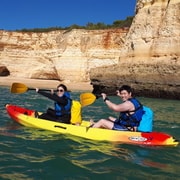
column 99, row 95
column 44, row 89
column 29, row 89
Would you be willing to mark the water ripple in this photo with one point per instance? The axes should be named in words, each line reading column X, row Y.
column 27, row 153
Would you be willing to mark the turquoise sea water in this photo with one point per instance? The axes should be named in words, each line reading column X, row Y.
column 33, row 154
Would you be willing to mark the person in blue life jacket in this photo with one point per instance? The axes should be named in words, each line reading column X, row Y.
column 62, row 105
column 131, row 112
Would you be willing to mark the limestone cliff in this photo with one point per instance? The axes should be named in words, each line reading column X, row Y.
column 63, row 55
column 146, row 56
column 150, row 58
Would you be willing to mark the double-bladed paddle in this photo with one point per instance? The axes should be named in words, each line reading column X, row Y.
column 85, row 98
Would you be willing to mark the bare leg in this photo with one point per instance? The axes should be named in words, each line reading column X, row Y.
column 112, row 118
column 103, row 123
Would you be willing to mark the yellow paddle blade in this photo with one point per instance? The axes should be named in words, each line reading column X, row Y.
column 87, row 99
column 18, row 88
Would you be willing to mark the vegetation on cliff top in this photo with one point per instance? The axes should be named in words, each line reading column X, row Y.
column 89, row 26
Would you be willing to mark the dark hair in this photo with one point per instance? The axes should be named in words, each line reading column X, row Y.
column 63, row 86
column 127, row 88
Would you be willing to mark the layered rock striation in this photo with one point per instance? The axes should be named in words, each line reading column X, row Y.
column 150, row 57
column 146, row 56
column 60, row 55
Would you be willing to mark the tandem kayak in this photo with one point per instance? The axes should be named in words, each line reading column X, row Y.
column 26, row 117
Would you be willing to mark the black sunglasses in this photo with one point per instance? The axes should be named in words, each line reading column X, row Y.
column 60, row 90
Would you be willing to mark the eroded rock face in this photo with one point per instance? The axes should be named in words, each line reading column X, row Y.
column 4, row 71
column 62, row 55
column 146, row 56
column 150, row 58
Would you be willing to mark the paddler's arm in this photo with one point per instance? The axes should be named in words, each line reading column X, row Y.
column 52, row 96
column 115, row 107
column 46, row 94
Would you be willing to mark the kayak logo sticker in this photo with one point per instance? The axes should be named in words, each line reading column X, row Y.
column 137, row 138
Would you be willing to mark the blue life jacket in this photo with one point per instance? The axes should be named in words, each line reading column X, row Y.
column 62, row 110
column 130, row 120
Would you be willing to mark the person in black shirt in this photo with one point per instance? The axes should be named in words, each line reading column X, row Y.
column 62, row 105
